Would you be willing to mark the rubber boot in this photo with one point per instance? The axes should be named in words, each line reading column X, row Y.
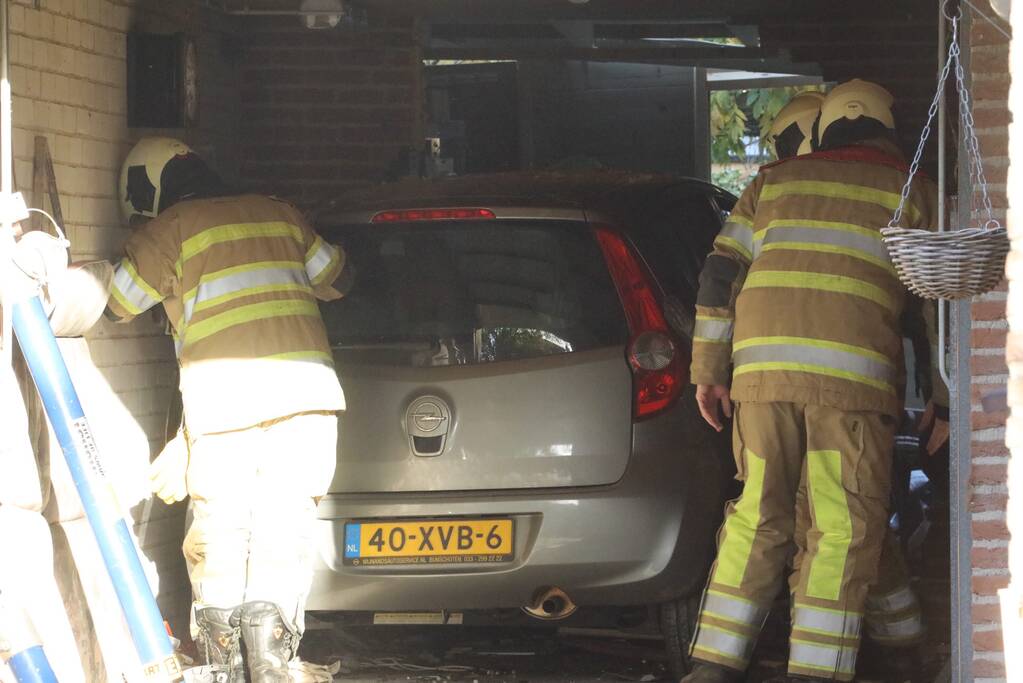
column 219, row 644
column 270, row 641
column 712, row 673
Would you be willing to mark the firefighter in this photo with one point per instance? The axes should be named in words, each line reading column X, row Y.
column 892, row 618
column 238, row 277
column 800, row 299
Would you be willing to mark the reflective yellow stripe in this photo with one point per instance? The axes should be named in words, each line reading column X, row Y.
column 237, row 270
column 715, row 640
column 244, row 314
column 824, row 225
column 739, row 236
column 239, row 231
column 812, row 369
column 741, row 526
column 125, row 304
column 250, row 291
column 741, row 220
column 303, row 355
column 818, row 343
column 735, row 245
column 827, row 622
column 733, row 609
column 820, row 657
column 713, row 330
column 833, row 190
column 831, row 249
column 821, row 282
column 129, row 268
column 831, row 513
column 329, row 268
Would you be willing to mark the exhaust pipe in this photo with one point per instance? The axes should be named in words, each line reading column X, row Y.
column 550, row 604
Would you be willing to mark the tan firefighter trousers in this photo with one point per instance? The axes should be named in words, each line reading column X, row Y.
column 254, row 515
column 815, row 468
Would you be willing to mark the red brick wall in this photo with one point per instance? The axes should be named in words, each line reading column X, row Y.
column 325, row 110
column 989, row 55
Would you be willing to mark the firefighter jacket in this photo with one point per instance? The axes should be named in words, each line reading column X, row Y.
column 799, row 296
column 239, row 278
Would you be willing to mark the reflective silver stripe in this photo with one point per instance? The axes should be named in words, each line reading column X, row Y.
column 904, row 629
column 830, row 658
column 320, row 260
column 129, row 287
column 816, row 355
column 872, row 248
column 726, row 643
column 236, row 282
column 829, row 622
column 713, row 329
column 738, row 235
column 896, row 601
column 726, row 607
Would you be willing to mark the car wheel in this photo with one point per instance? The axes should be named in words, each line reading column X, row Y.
column 678, row 622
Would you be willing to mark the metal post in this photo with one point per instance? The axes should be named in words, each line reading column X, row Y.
column 960, row 448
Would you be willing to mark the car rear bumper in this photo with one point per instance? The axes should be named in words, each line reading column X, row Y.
column 643, row 540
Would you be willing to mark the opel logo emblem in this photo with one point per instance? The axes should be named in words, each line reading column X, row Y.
column 428, row 417
column 428, row 422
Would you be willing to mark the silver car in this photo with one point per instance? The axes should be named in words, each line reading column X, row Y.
column 521, row 432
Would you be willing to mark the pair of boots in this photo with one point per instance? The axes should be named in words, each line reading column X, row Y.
column 253, row 638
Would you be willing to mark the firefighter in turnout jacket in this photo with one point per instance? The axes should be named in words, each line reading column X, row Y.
column 799, row 309
column 238, row 276
column 892, row 617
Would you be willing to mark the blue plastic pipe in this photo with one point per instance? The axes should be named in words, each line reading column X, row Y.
column 31, row 666
column 69, row 424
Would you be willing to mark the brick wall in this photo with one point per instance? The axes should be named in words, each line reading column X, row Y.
column 989, row 71
column 325, row 110
column 68, row 75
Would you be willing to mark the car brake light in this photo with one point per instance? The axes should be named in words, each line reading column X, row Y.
column 658, row 367
column 449, row 214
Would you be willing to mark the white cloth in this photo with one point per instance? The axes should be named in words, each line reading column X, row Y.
column 252, row 491
column 28, row 592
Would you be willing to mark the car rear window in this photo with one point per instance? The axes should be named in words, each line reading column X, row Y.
column 469, row 292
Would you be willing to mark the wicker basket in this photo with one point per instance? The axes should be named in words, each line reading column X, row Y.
column 948, row 265
column 961, row 263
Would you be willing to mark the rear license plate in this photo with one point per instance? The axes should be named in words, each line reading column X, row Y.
column 429, row 541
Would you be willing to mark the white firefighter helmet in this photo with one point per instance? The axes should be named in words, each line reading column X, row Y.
column 801, row 111
column 860, row 107
column 142, row 175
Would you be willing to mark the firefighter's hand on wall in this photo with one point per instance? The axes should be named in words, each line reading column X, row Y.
column 709, row 397
column 167, row 472
column 934, row 427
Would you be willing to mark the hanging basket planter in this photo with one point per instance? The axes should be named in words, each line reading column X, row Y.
column 948, row 265
column 958, row 264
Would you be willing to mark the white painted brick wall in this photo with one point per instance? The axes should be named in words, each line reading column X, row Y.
column 68, row 75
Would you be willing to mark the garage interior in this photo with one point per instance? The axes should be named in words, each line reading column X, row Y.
column 308, row 102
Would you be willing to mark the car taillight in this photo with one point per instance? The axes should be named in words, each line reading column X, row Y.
column 658, row 366
column 447, row 214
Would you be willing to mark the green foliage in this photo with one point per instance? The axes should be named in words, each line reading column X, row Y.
column 737, row 114
column 731, row 179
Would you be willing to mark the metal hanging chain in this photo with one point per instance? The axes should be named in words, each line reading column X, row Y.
column 977, row 177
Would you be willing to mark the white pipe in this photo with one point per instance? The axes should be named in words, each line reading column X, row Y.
column 942, row 133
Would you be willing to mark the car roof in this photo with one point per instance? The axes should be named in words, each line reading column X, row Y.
column 612, row 192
